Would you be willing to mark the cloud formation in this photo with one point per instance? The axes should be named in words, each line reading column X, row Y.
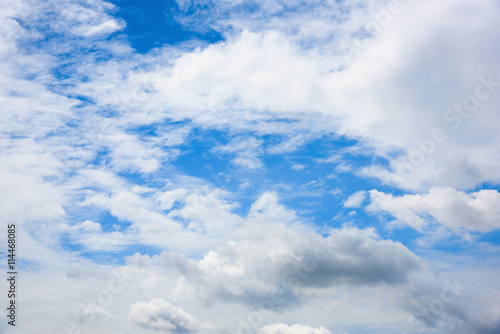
column 207, row 169
column 294, row 329
column 477, row 211
column 163, row 316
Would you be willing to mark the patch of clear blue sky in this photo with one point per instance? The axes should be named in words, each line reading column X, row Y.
column 490, row 237
column 153, row 23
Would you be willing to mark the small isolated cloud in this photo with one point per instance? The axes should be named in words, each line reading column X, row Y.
column 334, row 159
column 104, row 28
column 279, row 328
column 355, row 200
column 163, row 316
column 298, row 167
column 343, row 168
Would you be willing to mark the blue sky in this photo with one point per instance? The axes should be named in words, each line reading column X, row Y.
column 266, row 167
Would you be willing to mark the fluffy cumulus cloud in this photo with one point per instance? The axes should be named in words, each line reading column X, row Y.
column 281, row 264
column 477, row 211
column 214, row 181
column 163, row 316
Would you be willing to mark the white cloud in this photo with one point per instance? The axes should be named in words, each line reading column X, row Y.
column 355, row 200
column 270, row 262
column 279, row 328
column 400, row 105
column 343, row 168
column 298, row 167
column 85, row 226
column 245, row 153
column 161, row 315
column 89, row 312
column 81, row 18
column 477, row 211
